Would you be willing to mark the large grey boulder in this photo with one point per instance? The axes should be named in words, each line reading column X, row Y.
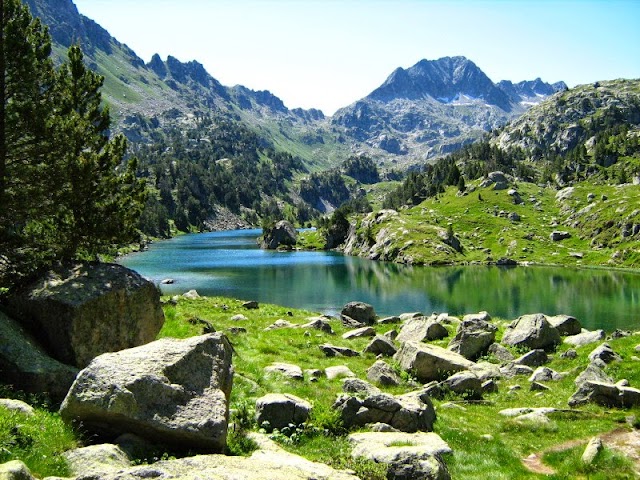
column 606, row 394
column 410, row 456
column 96, row 460
column 337, row 351
column 79, row 312
column 420, row 329
column 360, row 312
column 404, row 413
column 565, row 324
column 473, row 338
column 429, row 362
column 15, row 470
column 531, row 331
column 281, row 410
column 282, row 234
column 173, row 392
column 585, row 337
column 263, row 464
column 17, row 406
column 26, row 366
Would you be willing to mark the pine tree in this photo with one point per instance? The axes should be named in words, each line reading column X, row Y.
column 99, row 199
column 26, row 88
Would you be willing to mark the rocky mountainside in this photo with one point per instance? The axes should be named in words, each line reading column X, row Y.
column 573, row 117
column 435, row 107
column 170, row 92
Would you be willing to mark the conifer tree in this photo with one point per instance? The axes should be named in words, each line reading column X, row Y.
column 99, row 199
column 26, row 91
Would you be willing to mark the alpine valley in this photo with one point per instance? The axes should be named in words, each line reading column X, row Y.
column 423, row 145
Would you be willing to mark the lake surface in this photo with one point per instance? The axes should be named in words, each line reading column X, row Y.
column 230, row 264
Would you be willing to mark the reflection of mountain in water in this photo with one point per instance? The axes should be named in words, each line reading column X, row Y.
column 230, row 264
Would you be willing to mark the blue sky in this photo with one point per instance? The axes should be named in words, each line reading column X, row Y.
column 329, row 53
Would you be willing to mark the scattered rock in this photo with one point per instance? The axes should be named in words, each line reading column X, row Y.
column 594, row 447
column 236, row 330
column 281, row 410
column 557, row 236
column 338, row 371
column 421, row 329
column 585, row 338
column 280, row 324
column 465, row 383
column 406, row 413
column 498, row 180
column 359, row 333
column 97, row 460
column 314, row 374
column 389, row 320
column 534, row 358
column 606, row 394
column 538, row 387
column 251, row 305
column 286, row 369
column 282, row 234
column 26, row 366
column 500, row 352
column 191, row 295
column 167, row 281
column 544, row 374
column 381, row 373
column 239, row 318
column 206, row 325
column 15, row 470
column 511, row 370
column 335, row 351
column 593, row 373
column 408, row 316
column 605, row 353
column 79, row 312
column 531, row 331
column 570, row 354
column 359, row 387
column 381, row 345
column 429, row 362
column 318, row 323
column 174, row 392
column 473, row 338
column 360, row 312
column 565, row 324
column 418, row 458
column 17, row 406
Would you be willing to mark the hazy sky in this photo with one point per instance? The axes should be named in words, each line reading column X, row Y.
column 329, row 53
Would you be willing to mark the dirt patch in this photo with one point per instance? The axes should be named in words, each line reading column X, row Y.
column 625, row 441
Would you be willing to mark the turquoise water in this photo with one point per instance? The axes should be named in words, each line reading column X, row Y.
column 230, row 264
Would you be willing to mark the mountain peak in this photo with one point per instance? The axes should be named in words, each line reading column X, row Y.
column 444, row 79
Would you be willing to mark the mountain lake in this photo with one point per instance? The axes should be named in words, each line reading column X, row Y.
column 231, row 264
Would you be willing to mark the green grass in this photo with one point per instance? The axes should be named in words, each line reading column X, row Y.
column 323, row 438
column 485, row 444
column 38, row 441
column 479, row 220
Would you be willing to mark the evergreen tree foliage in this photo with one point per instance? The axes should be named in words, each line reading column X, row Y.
column 64, row 191
column 26, row 85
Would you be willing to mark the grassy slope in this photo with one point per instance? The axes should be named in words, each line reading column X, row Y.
column 487, row 235
column 464, row 425
column 461, row 426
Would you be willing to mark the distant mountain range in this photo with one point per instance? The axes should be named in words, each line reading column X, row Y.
column 437, row 106
column 418, row 113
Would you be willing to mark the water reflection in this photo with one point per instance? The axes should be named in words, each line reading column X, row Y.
column 230, row 263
